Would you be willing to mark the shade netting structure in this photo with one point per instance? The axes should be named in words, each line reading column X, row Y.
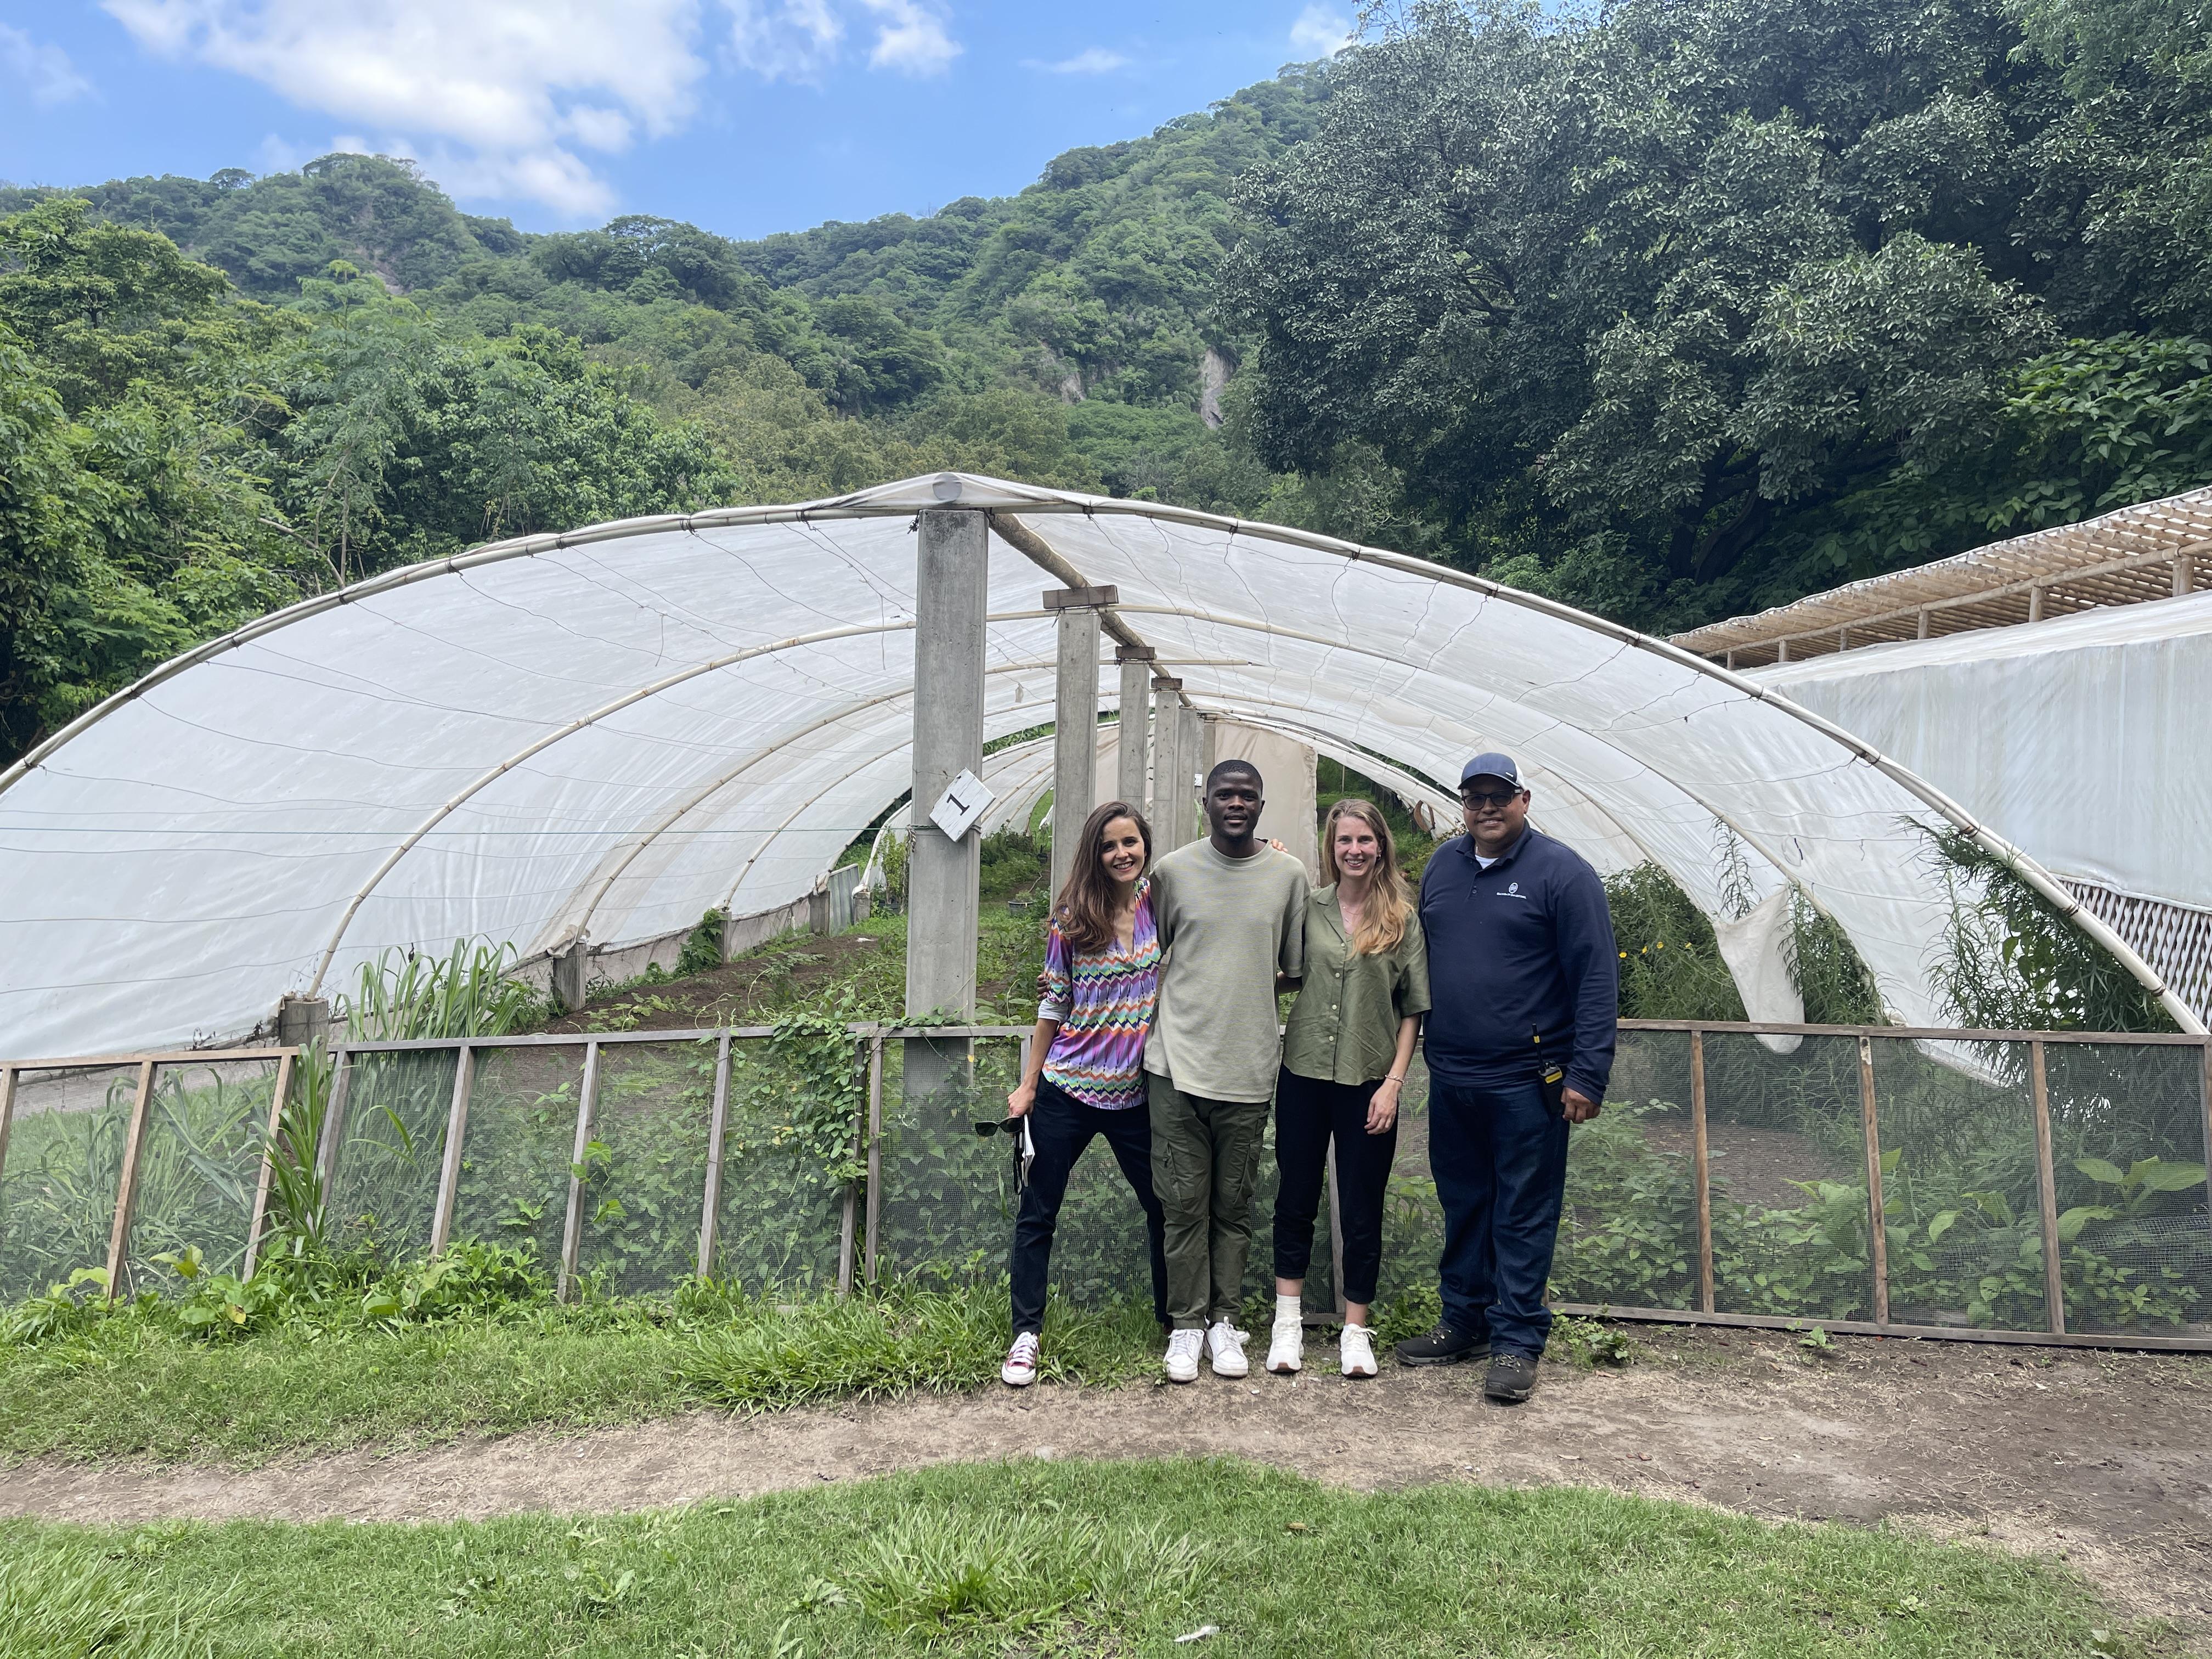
column 605, row 732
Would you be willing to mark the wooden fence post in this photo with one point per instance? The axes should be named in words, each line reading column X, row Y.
column 282, row 1087
column 847, row 1224
column 7, row 1112
column 1877, row 1234
column 1701, row 1166
column 572, row 1224
column 717, row 1128
column 126, row 1184
column 449, row 1168
column 875, row 1156
column 2046, row 1191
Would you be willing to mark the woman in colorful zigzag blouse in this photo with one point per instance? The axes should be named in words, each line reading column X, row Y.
column 1086, row 1072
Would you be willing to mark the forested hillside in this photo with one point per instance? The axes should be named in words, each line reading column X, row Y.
column 1698, row 306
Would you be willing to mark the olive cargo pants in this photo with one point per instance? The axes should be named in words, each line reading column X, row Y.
column 1205, row 1155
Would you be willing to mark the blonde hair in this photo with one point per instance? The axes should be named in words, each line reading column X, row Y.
column 1382, row 927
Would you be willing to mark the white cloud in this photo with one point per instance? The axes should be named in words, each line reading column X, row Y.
column 494, row 92
column 1322, row 31
column 46, row 70
column 912, row 40
column 786, row 39
column 502, row 98
column 1092, row 60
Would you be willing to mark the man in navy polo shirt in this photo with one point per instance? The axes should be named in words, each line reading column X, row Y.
column 1522, row 975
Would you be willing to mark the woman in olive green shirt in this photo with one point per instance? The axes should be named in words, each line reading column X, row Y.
column 1350, row 1039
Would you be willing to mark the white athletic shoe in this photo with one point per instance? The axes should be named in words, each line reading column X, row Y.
column 1020, row 1369
column 1182, row 1355
column 1225, row 1346
column 1286, row 1346
column 1356, row 1348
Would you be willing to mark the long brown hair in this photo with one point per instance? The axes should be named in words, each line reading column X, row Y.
column 1085, row 907
column 1382, row 925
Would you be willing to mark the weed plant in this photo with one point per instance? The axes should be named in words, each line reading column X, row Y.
column 1031, row 1557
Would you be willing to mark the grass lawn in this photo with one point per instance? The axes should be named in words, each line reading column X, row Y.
column 1039, row 1559
column 126, row 1386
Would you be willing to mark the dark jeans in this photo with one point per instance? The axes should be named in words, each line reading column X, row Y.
column 1062, row 1127
column 1500, row 1159
column 1308, row 1111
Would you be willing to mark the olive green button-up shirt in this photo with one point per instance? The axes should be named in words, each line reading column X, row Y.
column 1343, row 1026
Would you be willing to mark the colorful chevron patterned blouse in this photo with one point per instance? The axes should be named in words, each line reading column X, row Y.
column 1103, row 1001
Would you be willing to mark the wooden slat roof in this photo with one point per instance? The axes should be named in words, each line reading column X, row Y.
column 2150, row 551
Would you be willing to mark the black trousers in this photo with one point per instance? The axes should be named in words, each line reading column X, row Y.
column 1062, row 1126
column 1308, row 1112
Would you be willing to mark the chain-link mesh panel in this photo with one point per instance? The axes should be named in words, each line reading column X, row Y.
column 64, row 1157
column 785, row 1153
column 205, row 1127
column 646, row 1187
column 1791, row 1228
column 2127, row 1134
column 521, row 1132
column 1628, row 1231
column 391, row 1144
column 1959, row 1192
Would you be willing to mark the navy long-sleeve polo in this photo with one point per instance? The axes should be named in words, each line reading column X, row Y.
column 1518, row 952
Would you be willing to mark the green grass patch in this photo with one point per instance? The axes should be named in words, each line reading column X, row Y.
column 131, row 1383
column 1039, row 1559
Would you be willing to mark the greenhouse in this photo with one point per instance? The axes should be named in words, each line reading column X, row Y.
column 581, row 743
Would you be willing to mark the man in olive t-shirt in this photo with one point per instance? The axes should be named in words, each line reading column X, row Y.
column 1230, row 912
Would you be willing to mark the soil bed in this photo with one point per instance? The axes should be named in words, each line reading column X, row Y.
column 2096, row 1457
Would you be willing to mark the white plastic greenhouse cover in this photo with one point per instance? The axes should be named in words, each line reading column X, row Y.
column 612, row 730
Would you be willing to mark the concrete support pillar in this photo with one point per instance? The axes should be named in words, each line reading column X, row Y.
column 1922, row 631
column 302, row 1020
column 1782, row 651
column 1075, row 734
column 1167, row 763
column 1197, row 762
column 1133, row 774
column 2035, row 604
column 2185, row 575
column 951, row 587
column 570, row 971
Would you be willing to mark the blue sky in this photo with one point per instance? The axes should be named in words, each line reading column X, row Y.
column 744, row 115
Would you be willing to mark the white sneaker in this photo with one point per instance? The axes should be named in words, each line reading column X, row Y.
column 1020, row 1369
column 1225, row 1346
column 1182, row 1355
column 1356, row 1349
column 1286, row 1346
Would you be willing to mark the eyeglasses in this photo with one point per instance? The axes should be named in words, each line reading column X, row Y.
column 1488, row 797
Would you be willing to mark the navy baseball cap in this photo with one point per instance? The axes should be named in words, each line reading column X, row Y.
column 1492, row 765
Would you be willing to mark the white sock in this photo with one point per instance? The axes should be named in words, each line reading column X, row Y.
column 1288, row 1307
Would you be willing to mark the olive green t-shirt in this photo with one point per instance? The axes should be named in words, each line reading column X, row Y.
column 1227, row 927
column 1343, row 1026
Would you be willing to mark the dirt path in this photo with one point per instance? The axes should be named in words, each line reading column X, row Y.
column 2101, row 1458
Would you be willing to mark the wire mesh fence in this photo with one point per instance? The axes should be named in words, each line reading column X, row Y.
column 64, row 1161
column 1992, row 1184
column 199, row 1162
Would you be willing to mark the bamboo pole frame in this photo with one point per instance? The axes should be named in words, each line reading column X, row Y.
column 449, row 1166
column 2046, row 1191
column 1877, row 1233
column 277, row 1092
column 126, row 1183
column 1701, row 1165
column 572, row 1221
column 718, row 1124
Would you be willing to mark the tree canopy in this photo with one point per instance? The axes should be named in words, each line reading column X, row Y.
column 1670, row 310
